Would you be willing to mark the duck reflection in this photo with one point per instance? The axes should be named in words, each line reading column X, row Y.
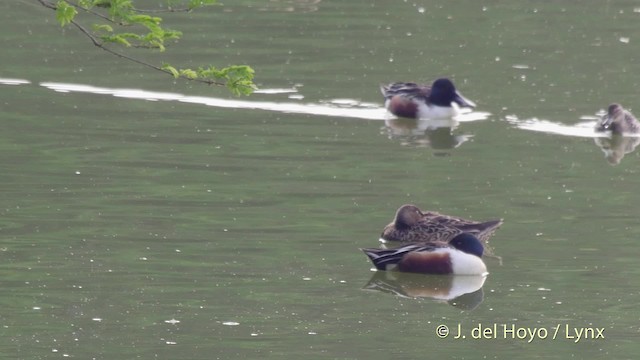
column 464, row 292
column 616, row 146
column 434, row 133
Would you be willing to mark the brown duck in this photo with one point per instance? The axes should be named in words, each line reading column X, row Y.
column 413, row 225
column 619, row 121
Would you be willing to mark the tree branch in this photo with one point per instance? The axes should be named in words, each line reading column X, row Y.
column 105, row 18
column 47, row 4
column 101, row 45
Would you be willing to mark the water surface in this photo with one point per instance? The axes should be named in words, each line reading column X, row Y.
column 149, row 218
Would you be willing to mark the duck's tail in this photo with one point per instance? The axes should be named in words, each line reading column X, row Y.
column 482, row 231
column 381, row 258
column 384, row 89
column 385, row 259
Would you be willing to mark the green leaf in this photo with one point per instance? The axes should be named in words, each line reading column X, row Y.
column 120, row 9
column 145, row 20
column 117, row 38
column 210, row 72
column 172, row 70
column 156, row 45
column 189, row 74
column 65, row 12
column 172, row 35
column 102, row 27
column 86, row 4
column 129, row 36
column 102, row 3
column 238, row 78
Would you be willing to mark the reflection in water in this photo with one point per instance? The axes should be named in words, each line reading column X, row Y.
column 464, row 292
column 436, row 134
column 617, row 146
column 614, row 146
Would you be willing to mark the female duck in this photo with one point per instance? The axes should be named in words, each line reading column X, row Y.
column 619, row 121
column 412, row 225
column 411, row 100
column 461, row 256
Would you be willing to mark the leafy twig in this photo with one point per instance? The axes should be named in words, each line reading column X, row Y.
column 238, row 79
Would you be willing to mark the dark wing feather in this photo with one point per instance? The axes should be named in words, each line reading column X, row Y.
column 408, row 90
column 382, row 258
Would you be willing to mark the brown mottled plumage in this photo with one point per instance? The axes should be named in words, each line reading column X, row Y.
column 412, row 225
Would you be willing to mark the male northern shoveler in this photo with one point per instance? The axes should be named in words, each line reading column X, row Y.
column 619, row 121
column 411, row 100
column 413, row 225
column 461, row 256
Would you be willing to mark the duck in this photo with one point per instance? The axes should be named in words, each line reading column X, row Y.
column 619, row 121
column 411, row 100
column 411, row 224
column 462, row 255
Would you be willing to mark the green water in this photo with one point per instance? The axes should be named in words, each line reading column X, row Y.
column 175, row 230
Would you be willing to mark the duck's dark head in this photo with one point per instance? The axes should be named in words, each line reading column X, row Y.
column 615, row 114
column 443, row 93
column 407, row 216
column 467, row 243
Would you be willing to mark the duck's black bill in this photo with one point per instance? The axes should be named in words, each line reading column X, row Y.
column 463, row 101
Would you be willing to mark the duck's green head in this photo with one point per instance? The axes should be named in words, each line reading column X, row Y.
column 467, row 243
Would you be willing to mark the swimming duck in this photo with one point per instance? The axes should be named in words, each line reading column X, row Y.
column 413, row 225
column 460, row 256
column 411, row 100
column 619, row 121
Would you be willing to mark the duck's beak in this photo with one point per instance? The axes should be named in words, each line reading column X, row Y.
column 463, row 101
column 606, row 121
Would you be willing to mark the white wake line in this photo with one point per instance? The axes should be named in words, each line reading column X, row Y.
column 584, row 129
column 6, row 81
column 347, row 108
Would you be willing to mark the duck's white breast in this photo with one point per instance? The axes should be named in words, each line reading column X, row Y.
column 426, row 111
column 467, row 264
